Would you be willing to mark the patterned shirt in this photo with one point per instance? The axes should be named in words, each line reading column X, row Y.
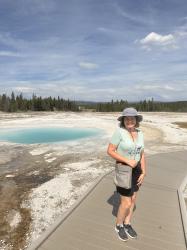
column 126, row 146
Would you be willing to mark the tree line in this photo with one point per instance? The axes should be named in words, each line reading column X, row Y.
column 144, row 106
column 19, row 103
column 151, row 105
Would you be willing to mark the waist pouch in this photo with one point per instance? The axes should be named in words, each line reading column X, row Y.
column 123, row 175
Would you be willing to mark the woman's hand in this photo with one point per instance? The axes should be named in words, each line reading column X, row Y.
column 112, row 152
column 140, row 179
column 132, row 163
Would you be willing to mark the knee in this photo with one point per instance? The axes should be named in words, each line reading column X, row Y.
column 126, row 204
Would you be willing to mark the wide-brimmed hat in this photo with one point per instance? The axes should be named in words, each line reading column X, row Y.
column 130, row 112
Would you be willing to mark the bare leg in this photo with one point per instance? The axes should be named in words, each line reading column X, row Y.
column 124, row 209
column 130, row 212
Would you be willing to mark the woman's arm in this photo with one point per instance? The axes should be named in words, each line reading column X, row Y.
column 143, row 163
column 143, row 168
column 112, row 152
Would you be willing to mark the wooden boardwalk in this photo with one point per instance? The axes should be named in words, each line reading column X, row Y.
column 159, row 218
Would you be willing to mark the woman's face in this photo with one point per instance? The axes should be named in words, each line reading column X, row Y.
column 130, row 122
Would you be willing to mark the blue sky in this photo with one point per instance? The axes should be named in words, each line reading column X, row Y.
column 95, row 50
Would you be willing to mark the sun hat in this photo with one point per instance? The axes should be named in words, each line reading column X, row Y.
column 130, row 112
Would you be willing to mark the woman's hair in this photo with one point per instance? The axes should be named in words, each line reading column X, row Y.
column 122, row 125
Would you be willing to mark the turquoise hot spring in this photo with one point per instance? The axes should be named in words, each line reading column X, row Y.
column 46, row 135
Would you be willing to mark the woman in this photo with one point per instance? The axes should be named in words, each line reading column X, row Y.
column 127, row 147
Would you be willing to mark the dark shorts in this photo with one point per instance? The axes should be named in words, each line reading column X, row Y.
column 136, row 172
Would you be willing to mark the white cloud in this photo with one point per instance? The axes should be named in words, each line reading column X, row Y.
column 181, row 33
column 155, row 87
column 102, row 29
column 10, row 53
column 184, row 18
column 156, row 40
column 80, row 90
column 7, row 39
column 134, row 18
column 88, row 65
column 23, row 89
column 64, row 89
column 28, row 46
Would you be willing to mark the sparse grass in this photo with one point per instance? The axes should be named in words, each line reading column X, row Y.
column 181, row 124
